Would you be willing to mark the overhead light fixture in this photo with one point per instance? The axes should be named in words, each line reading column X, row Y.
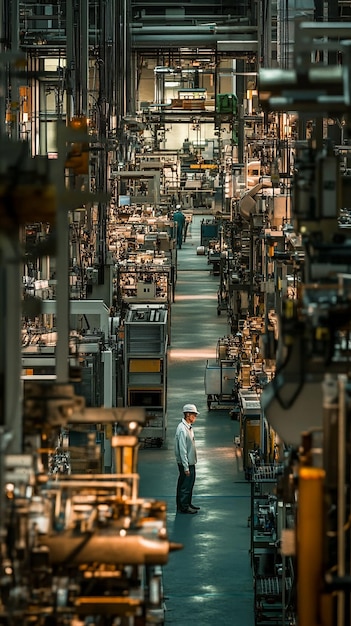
column 159, row 69
column 191, row 70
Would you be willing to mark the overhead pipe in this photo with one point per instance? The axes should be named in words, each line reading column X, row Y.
column 203, row 34
column 176, row 17
column 176, row 40
column 199, row 28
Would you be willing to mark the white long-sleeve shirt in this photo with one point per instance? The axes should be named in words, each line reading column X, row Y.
column 184, row 445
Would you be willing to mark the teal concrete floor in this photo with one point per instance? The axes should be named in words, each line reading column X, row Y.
column 209, row 582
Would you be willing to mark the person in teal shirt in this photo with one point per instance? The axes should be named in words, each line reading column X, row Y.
column 179, row 218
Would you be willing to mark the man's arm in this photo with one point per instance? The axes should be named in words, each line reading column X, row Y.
column 183, row 452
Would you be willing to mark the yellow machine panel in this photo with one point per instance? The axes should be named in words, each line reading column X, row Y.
column 144, row 365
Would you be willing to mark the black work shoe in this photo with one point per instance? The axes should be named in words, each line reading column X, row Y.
column 189, row 511
column 192, row 506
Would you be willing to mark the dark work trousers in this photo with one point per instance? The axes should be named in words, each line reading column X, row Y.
column 179, row 236
column 185, row 487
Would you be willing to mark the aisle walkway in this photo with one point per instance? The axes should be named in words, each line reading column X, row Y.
column 209, row 582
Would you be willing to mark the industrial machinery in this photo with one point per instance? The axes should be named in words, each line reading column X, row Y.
column 221, row 381
column 93, row 348
column 77, row 547
column 273, row 572
column 145, row 367
column 145, row 278
column 77, row 543
column 307, row 400
column 83, row 221
column 221, row 375
column 209, row 231
column 252, row 429
column 226, row 103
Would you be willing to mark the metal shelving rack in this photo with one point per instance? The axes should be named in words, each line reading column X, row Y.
column 145, row 368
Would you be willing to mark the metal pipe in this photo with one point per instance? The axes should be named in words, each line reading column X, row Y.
column 70, row 62
column 176, row 39
column 43, row 130
column 15, row 29
column 310, row 515
column 202, row 28
column 341, row 491
column 276, row 80
column 10, row 342
column 323, row 29
column 2, row 73
column 107, row 548
column 84, row 64
column 127, row 56
column 62, row 267
column 267, row 34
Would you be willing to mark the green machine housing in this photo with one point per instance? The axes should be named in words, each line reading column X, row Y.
column 226, row 103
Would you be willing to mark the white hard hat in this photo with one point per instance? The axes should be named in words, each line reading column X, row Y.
column 177, row 206
column 190, row 408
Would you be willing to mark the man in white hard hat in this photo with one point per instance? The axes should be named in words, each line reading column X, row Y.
column 186, row 457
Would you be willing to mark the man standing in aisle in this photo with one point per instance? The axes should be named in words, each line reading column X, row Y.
column 185, row 454
column 179, row 218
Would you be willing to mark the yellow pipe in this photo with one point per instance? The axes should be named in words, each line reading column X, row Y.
column 310, row 517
